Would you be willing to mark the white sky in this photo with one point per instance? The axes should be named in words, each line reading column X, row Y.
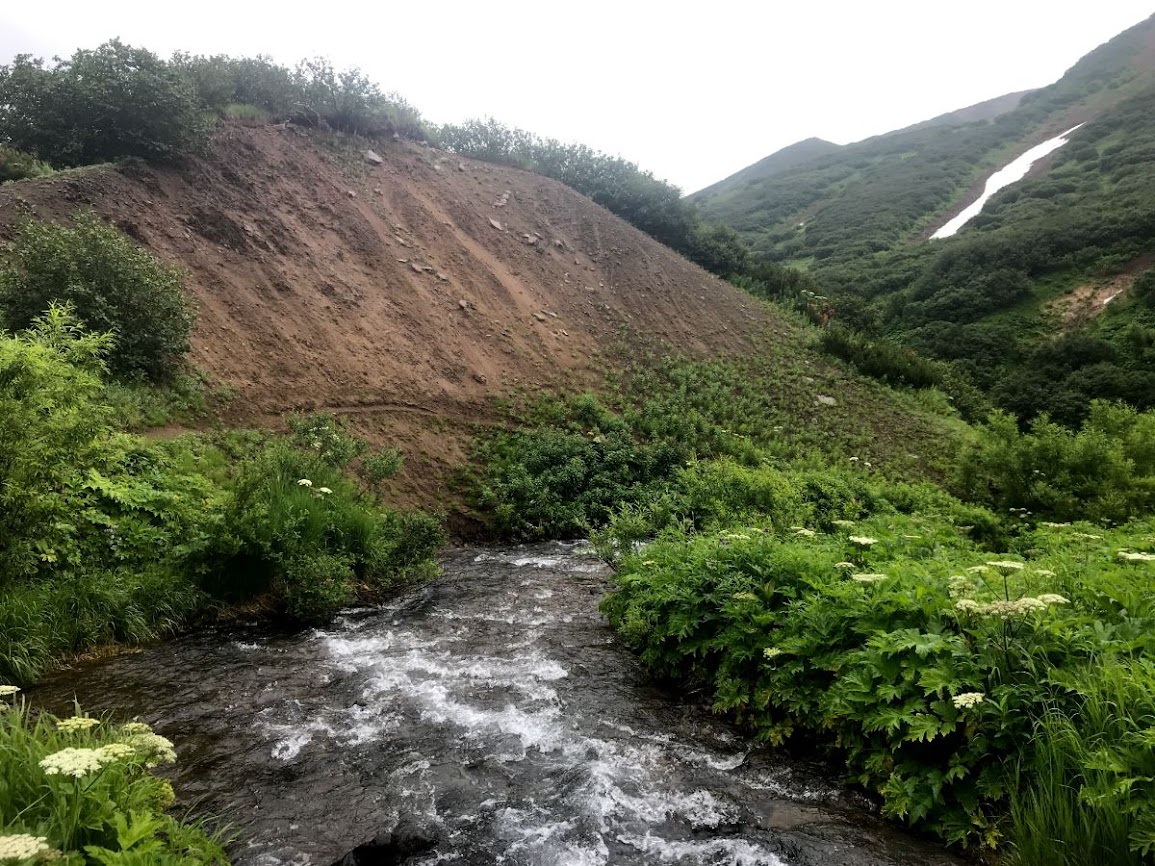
column 692, row 92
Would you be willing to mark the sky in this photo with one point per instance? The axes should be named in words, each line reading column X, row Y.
column 690, row 91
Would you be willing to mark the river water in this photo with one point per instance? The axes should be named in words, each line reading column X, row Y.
column 1012, row 172
column 486, row 718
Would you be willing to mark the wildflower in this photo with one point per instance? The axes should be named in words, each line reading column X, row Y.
column 805, row 533
column 975, row 569
column 1133, row 556
column 1087, row 535
column 866, row 463
column 845, row 565
column 648, row 562
column 76, row 723
column 8, row 690
column 864, row 540
column 845, row 524
column 745, row 596
column 74, row 762
column 852, row 459
column 772, row 652
column 1051, row 525
column 131, row 728
column 21, row 847
column 324, row 490
column 117, row 751
column 1045, row 572
column 154, row 747
column 1053, row 598
column 1006, row 565
column 868, row 578
column 304, row 482
column 967, row 605
column 968, row 699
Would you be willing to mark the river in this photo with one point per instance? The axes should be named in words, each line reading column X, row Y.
column 488, row 717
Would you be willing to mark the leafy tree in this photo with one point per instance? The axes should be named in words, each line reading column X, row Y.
column 109, row 103
column 113, row 285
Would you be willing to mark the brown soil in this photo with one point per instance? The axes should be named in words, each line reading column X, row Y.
column 1083, row 303
column 386, row 293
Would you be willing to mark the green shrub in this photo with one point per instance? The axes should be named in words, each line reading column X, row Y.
column 81, row 790
column 301, row 531
column 15, row 165
column 1105, row 471
column 109, row 103
column 924, row 663
column 113, row 286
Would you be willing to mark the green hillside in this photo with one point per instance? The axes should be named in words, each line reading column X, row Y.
column 991, row 301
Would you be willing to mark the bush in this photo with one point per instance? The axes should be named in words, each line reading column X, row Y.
column 15, row 165
column 1105, row 471
column 927, row 665
column 113, row 286
column 113, row 102
column 298, row 530
column 81, row 790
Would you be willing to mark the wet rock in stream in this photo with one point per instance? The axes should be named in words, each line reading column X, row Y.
column 487, row 718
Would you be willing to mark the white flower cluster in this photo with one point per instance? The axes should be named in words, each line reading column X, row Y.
column 130, row 728
column 803, row 531
column 1006, row 565
column 868, row 578
column 76, row 723
column 864, row 540
column 304, row 482
column 154, row 747
column 772, row 652
column 1008, row 609
column 745, row 596
column 844, row 524
column 845, row 565
column 75, row 762
column 117, row 751
column 1134, row 556
column 968, row 699
column 5, row 691
column 21, row 847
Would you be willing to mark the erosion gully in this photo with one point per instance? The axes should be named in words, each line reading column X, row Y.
column 486, row 718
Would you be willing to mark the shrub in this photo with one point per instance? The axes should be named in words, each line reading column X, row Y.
column 113, row 286
column 15, row 165
column 1105, row 471
column 109, row 103
column 300, row 531
column 80, row 790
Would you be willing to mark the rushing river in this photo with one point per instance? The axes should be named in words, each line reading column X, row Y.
column 1014, row 171
column 487, row 718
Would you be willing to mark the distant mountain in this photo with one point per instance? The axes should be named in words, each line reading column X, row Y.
column 815, row 202
column 1046, row 299
column 791, row 156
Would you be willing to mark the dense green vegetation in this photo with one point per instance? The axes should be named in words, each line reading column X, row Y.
column 81, row 790
column 109, row 536
column 982, row 301
column 117, row 101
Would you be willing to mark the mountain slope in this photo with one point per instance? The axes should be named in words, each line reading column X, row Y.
column 885, row 191
column 408, row 295
column 789, row 157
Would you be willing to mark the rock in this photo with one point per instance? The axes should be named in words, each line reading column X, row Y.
column 496, row 224
column 461, row 166
column 541, row 317
column 480, row 379
column 350, row 193
column 442, row 277
column 416, row 267
column 552, row 313
column 373, row 158
column 464, row 304
column 396, row 137
column 824, row 400
column 530, row 239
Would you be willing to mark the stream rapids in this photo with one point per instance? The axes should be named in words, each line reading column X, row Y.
column 488, row 717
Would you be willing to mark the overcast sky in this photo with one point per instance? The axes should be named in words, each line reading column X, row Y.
column 690, row 91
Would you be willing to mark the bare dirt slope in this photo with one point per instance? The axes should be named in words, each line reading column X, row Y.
column 398, row 292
